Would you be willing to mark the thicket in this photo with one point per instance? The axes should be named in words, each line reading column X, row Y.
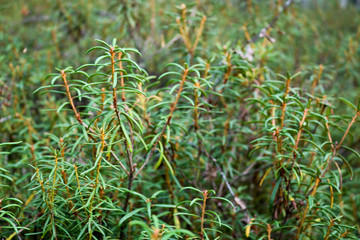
column 183, row 120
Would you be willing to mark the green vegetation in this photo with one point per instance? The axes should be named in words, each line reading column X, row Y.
column 179, row 120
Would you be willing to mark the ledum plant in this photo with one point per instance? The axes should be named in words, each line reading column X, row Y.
column 110, row 174
column 306, row 163
column 135, row 156
column 108, row 151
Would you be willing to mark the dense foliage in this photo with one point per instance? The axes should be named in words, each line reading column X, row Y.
column 183, row 120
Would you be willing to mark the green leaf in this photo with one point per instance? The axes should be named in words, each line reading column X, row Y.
column 129, row 215
column 311, row 202
column 314, row 144
column 274, row 192
column 176, row 232
column 62, row 106
column 224, row 199
column 295, row 75
column 352, row 150
column 347, row 102
column 347, row 164
column 9, row 143
column 11, row 223
column 114, row 80
column 191, row 188
column 124, row 131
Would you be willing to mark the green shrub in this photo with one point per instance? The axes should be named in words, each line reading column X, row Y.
column 219, row 144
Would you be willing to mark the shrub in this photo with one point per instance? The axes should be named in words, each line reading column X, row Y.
column 219, row 144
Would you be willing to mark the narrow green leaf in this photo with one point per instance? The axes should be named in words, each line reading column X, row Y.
column 129, row 215
column 274, row 192
column 347, row 102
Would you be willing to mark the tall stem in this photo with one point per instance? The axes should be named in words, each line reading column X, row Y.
column 172, row 109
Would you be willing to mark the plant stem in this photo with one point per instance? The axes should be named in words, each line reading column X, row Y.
column 172, row 109
column 205, row 194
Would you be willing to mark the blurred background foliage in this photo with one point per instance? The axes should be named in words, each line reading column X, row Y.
column 35, row 36
column 319, row 39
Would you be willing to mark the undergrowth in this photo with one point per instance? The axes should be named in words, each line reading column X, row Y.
column 227, row 140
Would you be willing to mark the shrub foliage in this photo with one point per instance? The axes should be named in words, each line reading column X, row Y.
column 223, row 142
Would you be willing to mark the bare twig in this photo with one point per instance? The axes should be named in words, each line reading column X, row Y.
column 171, row 42
column 237, row 200
column 22, row 229
column 118, row 160
column 263, row 31
column 248, row 171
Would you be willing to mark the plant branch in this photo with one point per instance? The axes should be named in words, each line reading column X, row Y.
column 78, row 118
column 186, row 70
